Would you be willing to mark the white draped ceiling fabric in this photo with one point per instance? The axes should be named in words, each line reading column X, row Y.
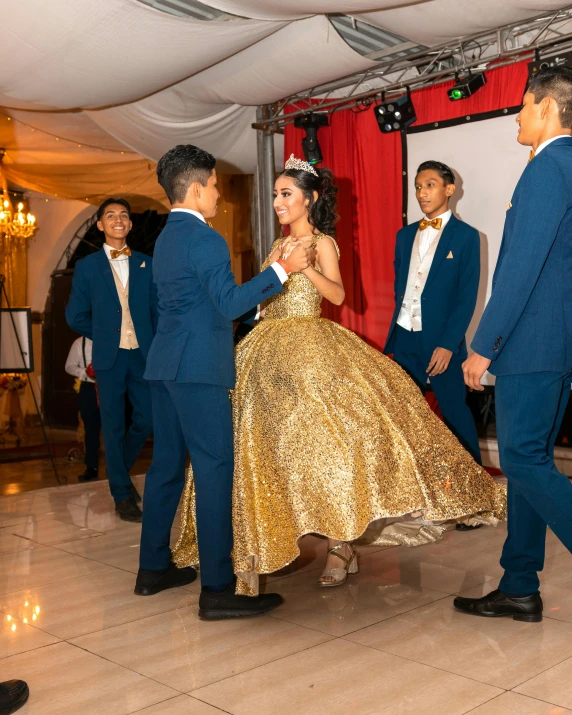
column 93, row 93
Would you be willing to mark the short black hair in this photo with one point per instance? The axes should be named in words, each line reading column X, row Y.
column 107, row 202
column 444, row 171
column 556, row 83
column 180, row 167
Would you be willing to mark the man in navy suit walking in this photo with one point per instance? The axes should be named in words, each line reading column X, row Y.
column 113, row 302
column 525, row 339
column 191, row 369
column 437, row 269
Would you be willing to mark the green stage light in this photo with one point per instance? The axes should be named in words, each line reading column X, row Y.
column 466, row 86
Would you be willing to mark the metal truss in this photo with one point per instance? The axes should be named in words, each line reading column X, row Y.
column 542, row 37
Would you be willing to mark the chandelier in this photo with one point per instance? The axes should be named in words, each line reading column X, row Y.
column 16, row 224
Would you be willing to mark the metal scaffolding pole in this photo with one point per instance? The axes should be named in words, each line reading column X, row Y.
column 265, row 221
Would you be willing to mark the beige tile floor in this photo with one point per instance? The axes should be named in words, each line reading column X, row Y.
column 386, row 643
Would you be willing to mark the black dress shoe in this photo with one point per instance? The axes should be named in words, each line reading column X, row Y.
column 151, row 582
column 135, row 494
column 226, row 604
column 467, row 527
column 88, row 476
column 13, row 694
column 128, row 510
column 496, row 604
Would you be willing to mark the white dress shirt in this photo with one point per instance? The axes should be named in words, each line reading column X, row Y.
column 280, row 272
column 427, row 236
column 549, row 141
column 119, row 264
column 75, row 364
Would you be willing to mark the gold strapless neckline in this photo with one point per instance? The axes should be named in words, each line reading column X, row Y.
column 300, row 298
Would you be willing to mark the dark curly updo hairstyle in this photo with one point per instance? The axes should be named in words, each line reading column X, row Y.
column 322, row 212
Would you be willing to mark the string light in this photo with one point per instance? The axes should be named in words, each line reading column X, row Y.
column 58, row 138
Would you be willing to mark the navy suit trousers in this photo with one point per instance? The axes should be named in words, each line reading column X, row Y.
column 121, row 450
column 449, row 387
column 529, row 411
column 89, row 411
column 196, row 419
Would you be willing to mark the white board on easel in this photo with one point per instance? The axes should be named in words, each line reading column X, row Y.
column 16, row 351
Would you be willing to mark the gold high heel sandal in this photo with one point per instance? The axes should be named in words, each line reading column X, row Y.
column 338, row 576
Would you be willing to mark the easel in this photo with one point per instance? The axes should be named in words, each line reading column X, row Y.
column 4, row 296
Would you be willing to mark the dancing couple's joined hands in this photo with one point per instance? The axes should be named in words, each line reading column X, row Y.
column 298, row 252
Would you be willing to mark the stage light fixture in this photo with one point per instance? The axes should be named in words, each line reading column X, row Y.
column 395, row 114
column 311, row 123
column 466, row 86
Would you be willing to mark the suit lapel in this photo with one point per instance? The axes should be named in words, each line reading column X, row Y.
column 442, row 248
column 408, row 251
column 135, row 272
column 105, row 269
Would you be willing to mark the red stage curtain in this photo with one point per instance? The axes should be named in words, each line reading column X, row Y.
column 368, row 171
column 365, row 164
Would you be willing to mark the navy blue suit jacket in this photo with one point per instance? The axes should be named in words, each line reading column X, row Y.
column 527, row 324
column 450, row 294
column 198, row 300
column 94, row 309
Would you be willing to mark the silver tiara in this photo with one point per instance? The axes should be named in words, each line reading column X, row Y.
column 294, row 163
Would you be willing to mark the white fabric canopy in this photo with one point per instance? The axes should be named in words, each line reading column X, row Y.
column 254, row 76
column 80, row 53
column 293, row 9
column 437, row 21
column 128, row 82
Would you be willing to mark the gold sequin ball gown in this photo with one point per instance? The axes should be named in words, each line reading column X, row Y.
column 332, row 437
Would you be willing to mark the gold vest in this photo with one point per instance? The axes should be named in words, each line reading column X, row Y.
column 128, row 338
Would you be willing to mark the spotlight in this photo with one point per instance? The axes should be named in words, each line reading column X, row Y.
column 466, row 86
column 395, row 114
column 564, row 59
column 311, row 123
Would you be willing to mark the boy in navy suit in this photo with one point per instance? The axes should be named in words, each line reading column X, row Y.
column 525, row 339
column 191, row 366
column 437, row 269
column 113, row 302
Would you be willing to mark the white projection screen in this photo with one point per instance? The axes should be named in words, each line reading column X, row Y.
column 487, row 161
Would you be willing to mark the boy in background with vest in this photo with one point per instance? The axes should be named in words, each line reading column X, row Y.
column 114, row 303
column 437, row 270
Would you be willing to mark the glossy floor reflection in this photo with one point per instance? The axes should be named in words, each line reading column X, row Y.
column 386, row 643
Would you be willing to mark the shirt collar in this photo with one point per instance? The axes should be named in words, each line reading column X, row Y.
column 107, row 248
column 549, row 141
column 444, row 217
column 190, row 211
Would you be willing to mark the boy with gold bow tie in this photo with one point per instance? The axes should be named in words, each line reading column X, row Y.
column 114, row 303
column 437, row 270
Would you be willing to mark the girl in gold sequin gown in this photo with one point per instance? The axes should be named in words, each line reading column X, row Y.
column 331, row 437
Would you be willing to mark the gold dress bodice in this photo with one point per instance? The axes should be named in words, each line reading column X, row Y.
column 300, row 298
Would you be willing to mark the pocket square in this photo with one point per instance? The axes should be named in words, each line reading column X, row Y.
column 450, row 254
column 508, row 205
column 142, row 265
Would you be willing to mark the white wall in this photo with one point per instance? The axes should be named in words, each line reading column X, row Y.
column 488, row 162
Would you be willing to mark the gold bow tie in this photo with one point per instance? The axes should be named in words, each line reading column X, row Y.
column 434, row 223
column 125, row 251
column 531, row 155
